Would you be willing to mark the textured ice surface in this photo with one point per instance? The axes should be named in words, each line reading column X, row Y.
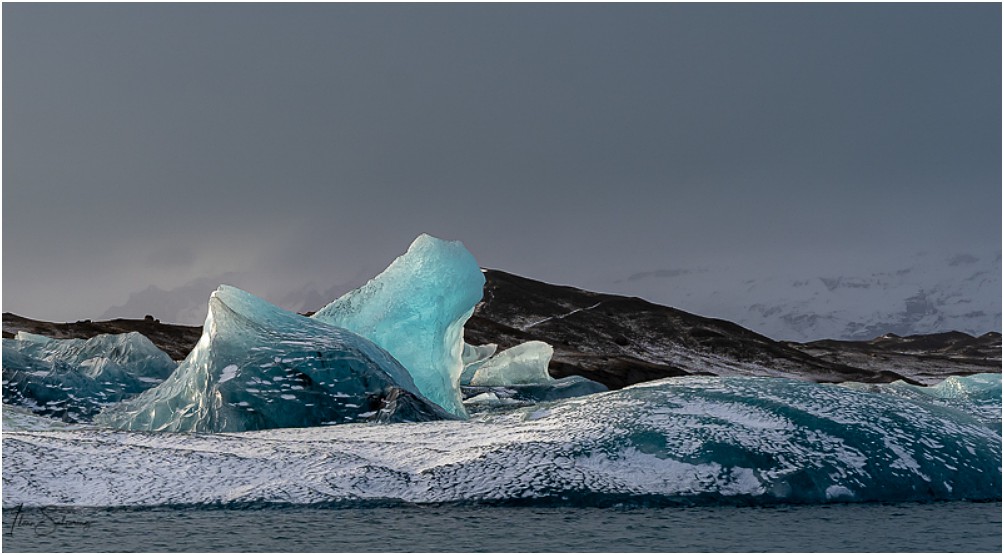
column 524, row 364
column 690, row 440
column 977, row 394
column 130, row 350
column 22, row 419
column 72, row 379
column 481, row 398
column 492, row 399
column 416, row 310
column 976, row 387
column 473, row 357
column 519, row 374
column 257, row 366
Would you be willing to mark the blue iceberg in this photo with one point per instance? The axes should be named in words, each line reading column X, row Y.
column 258, row 366
column 73, row 379
column 129, row 350
column 416, row 310
column 519, row 375
column 524, row 364
column 473, row 357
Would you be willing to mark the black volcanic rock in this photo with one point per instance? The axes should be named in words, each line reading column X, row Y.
column 926, row 358
column 619, row 341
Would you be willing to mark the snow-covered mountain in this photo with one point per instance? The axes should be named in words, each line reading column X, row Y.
column 928, row 293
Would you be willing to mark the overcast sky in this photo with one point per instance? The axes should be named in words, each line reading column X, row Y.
column 286, row 144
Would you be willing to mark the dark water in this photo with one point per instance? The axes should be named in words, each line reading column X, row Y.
column 955, row 526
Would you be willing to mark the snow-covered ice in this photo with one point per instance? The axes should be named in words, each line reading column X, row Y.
column 691, row 440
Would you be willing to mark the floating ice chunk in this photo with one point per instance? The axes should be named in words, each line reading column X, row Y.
column 72, row 379
column 486, row 397
column 416, row 310
column 129, row 350
column 491, row 399
column 562, row 388
column 315, row 374
column 524, row 364
column 523, row 369
column 474, row 356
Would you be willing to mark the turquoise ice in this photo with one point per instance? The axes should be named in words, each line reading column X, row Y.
column 258, row 366
column 129, row 350
column 416, row 310
column 72, row 379
column 524, row 364
column 473, row 357
column 519, row 375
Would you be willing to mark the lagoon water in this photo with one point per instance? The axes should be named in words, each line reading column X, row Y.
column 898, row 527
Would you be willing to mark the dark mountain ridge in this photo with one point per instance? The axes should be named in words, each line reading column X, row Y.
column 174, row 339
column 618, row 340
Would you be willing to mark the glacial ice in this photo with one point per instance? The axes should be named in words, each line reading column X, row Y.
column 519, row 374
column 524, row 364
column 416, row 310
column 23, row 420
column 72, row 379
column 258, row 366
column 976, row 394
column 129, row 350
column 689, row 440
column 473, row 357
column 979, row 388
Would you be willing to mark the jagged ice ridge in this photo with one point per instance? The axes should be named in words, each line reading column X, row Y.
column 416, row 310
column 258, row 366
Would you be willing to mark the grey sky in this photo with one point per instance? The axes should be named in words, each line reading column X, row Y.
column 162, row 144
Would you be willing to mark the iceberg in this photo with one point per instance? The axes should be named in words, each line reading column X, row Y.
column 473, row 357
column 524, row 364
column 258, row 366
column 129, row 350
column 416, row 310
column 520, row 374
column 73, row 379
column 693, row 440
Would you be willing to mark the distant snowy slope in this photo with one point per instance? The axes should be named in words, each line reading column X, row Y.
column 928, row 293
